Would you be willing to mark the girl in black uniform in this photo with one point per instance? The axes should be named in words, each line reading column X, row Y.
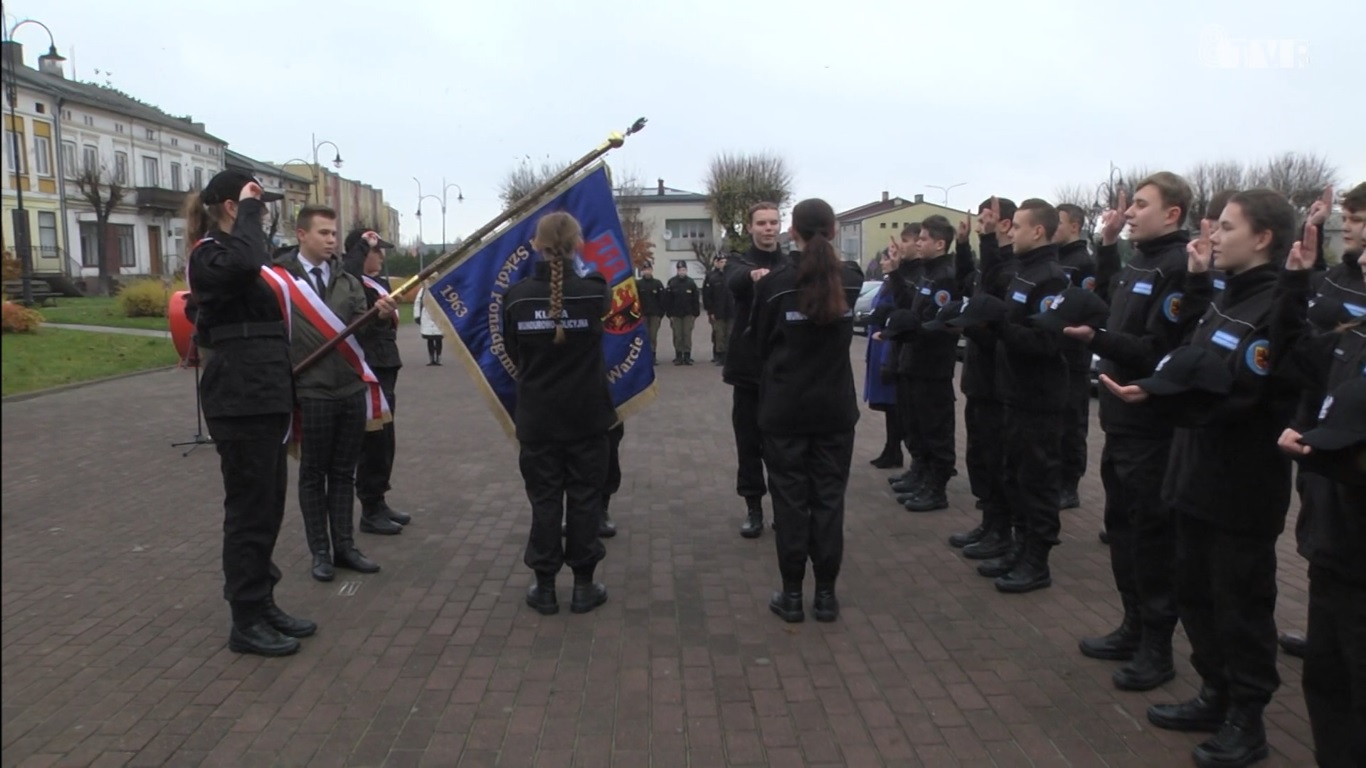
column 1331, row 530
column 248, row 396
column 1227, row 482
column 802, row 327
column 553, row 335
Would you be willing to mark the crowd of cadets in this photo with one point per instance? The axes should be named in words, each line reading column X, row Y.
column 1222, row 356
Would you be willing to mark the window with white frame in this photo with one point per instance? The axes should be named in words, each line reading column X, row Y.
column 175, row 177
column 90, row 158
column 42, row 155
column 198, row 178
column 90, row 256
column 121, row 167
column 47, row 232
column 69, row 159
column 686, row 232
column 14, row 151
column 151, row 173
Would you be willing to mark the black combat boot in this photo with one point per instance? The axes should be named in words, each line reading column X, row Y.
column 754, row 520
column 996, row 542
column 825, row 606
column 933, row 493
column 1206, row 712
column 1293, row 644
column 912, row 480
column 287, row 625
column 374, row 520
column 252, row 633
column 1152, row 665
column 1122, row 643
column 588, row 594
column 787, row 604
column 960, row 540
column 687, row 358
column 1239, row 742
column 994, row 569
column 541, row 595
column 1030, row 571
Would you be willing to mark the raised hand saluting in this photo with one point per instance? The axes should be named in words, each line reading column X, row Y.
column 1112, row 221
column 1304, row 252
column 1200, row 252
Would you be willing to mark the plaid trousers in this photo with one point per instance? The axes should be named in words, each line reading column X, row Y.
column 333, row 434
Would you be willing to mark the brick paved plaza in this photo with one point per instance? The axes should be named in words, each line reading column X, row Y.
column 115, row 629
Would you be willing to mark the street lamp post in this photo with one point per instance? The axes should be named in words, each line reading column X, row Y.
column 946, row 190
column 460, row 198
column 421, row 252
column 317, row 169
column 19, row 154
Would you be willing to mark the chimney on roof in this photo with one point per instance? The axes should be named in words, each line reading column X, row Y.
column 13, row 54
column 885, row 196
column 661, row 187
column 920, row 198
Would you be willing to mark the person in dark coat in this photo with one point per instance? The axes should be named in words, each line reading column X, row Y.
column 651, row 293
column 364, row 259
column 1074, row 256
column 803, row 326
column 1229, row 396
column 247, row 395
column 720, row 308
column 554, row 339
column 879, row 378
column 1324, row 329
column 683, row 305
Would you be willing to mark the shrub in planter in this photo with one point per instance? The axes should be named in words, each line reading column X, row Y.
column 147, row 297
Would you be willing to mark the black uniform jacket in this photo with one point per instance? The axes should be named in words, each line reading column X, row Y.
column 1225, row 466
column 1030, row 371
column 807, row 381
column 742, row 365
column 247, row 371
column 1149, row 317
column 651, row 296
column 927, row 354
column 379, row 340
column 991, row 277
column 716, row 297
column 562, row 393
column 1076, row 260
column 1331, row 529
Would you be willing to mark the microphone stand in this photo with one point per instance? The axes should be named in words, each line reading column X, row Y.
column 199, row 437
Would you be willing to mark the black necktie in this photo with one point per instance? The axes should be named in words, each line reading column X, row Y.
column 318, row 278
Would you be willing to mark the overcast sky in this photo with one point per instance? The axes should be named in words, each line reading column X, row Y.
column 860, row 96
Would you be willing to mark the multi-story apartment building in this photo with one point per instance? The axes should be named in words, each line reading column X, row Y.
column 71, row 134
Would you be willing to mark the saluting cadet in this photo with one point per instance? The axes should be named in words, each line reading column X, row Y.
column 248, row 395
column 1227, row 483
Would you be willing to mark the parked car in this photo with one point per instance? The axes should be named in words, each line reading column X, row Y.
column 863, row 308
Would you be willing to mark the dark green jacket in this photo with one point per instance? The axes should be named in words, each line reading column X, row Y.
column 331, row 378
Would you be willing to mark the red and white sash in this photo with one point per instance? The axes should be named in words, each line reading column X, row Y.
column 280, row 287
column 321, row 317
column 382, row 290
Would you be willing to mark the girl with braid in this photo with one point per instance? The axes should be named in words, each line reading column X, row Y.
column 553, row 335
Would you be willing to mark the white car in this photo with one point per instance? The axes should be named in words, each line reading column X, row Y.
column 863, row 308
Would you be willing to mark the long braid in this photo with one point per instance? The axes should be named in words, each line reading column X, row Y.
column 557, row 294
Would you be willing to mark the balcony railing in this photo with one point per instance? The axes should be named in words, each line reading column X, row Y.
column 156, row 198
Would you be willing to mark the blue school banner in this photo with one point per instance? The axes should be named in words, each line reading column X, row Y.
column 467, row 298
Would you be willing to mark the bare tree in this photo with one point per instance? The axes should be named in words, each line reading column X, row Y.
column 737, row 181
column 1075, row 194
column 705, row 254
column 1300, row 177
column 628, row 191
column 1208, row 179
column 104, row 193
column 525, row 178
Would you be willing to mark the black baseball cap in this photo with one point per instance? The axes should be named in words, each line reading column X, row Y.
column 1074, row 306
column 978, row 310
column 227, row 185
column 1342, row 418
column 1188, row 369
column 1326, row 313
column 946, row 313
column 354, row 238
